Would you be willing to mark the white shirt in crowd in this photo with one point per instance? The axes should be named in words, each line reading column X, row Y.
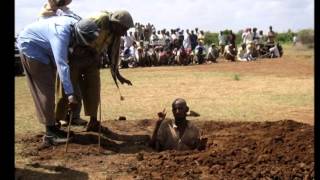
column 187, row 41
column 222, row 39
column 248, row 37
column 128, row 41
column 294, row 39
column 241, row 54
column 154, row 38
column 174, row 36
column 275, row 51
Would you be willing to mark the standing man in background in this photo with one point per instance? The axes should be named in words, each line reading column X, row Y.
column 86, row 75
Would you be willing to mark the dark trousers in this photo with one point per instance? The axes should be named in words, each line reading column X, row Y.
column 85, row 77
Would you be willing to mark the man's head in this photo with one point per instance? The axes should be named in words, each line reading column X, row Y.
column 179, row 109
column 261, row 32
column 243, row 45
column 59, row 3
column 86, row 31
column 121, row 21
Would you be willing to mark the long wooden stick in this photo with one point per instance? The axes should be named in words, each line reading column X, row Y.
column 99, row 134
column 69, row 125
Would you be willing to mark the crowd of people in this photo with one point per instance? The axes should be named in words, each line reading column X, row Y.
column 146, row 46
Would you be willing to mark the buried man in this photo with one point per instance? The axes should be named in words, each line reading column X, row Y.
column 177, row 134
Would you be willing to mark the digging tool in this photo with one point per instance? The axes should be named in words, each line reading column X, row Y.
column 69, row 125
column 99, row 133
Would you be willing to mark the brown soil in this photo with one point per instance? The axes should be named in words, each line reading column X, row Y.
column 235, row 150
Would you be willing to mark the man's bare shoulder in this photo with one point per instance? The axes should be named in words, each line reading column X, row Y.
column 166, row 122
column 191, row 125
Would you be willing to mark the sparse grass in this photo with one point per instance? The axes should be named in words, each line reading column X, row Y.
column 236, row 77
column 213, row 94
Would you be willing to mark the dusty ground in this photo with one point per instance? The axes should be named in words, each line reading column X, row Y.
column 281, row 149
column 246, row 150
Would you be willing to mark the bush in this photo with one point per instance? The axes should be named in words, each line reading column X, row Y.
column 306, row 36
column 284, row 37
column 212, row 37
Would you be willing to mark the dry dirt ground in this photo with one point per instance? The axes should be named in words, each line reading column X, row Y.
column 282, row 149
column 235, row 150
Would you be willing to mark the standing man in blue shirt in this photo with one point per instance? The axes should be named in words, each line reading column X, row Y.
column 44, row 47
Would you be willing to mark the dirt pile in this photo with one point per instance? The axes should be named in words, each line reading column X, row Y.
column 235, row 150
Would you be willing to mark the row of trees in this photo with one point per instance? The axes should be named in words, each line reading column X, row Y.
column 305, row 36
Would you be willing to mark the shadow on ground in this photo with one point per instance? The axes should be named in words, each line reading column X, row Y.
column 52, row 173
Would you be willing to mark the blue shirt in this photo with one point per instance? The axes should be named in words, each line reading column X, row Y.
column 48, row 40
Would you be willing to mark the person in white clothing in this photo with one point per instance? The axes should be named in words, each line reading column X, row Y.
column 128, row 41
column 187, row 41
column 213, row 53
column 154, row 38
column 230, row 52
column 275, row 53
column 222, row 41
column 248, row 37
column 294, row 40
column 241, row 56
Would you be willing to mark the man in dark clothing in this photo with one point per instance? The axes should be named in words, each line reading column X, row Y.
column 193, row 39
column 232, row 38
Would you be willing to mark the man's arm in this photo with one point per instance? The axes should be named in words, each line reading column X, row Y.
column 113, row 53
column 153, row 142
column 59, row 47
column 161, row 136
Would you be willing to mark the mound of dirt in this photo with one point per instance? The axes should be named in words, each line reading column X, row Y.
column 235, row 150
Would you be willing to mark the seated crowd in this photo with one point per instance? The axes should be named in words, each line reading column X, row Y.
column 145, row 46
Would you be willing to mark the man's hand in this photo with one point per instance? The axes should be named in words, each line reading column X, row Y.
column 123, row 80
column 126, row 81
column 202, row 144
column 162, row 115
column 72, row 103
